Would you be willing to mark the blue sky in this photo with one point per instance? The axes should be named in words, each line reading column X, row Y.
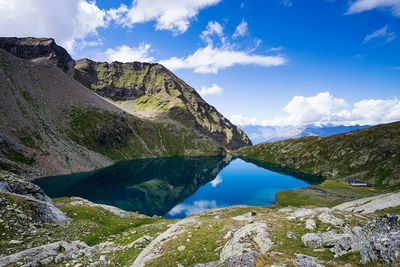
column 340, row 58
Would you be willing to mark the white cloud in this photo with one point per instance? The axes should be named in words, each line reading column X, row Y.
column 216, row 181
column 211, row 59
column 241, row 30
column 126, row 54
column 359, row 6
column 324, row 108
column 68, row 22
column 172, row 15
column 241, row 120
column 381, row 33
column 212, row 28
column 196, row 207
column 286, row 3
column 212, row 90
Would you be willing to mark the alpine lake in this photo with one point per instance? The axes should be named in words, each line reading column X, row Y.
column 176, row 187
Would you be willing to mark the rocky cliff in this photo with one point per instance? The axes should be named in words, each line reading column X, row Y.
column 52, row 124
column 370, row 154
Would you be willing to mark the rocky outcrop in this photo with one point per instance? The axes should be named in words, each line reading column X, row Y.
column 34, row 48
column 371, row 155
column 33, row 204
column 53, row 253
column 371, row 204
column 155, row 248
column 377, row 242
column 253, row 237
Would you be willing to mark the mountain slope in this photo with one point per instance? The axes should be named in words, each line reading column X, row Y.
column 51, row 124
column 259, row 134
column 371, row 154
column 152, row 91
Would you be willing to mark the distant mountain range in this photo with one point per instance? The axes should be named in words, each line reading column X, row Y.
column 259, row 134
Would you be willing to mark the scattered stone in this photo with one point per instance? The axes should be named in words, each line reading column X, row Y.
column 310, row 224
column 228, row 235
column 181, row 248
column 307, row 261
column 328, row 218
column 290, row 235
column 305, row 212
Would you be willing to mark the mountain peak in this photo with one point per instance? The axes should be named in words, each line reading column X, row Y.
column 33, row 48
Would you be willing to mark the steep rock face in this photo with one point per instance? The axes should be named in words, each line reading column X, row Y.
column 153, row 91
column 371, row 154
column 51, row 124
column 32, row 48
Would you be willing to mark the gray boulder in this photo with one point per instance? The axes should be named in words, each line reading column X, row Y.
column 307, row 261
column 328, row 218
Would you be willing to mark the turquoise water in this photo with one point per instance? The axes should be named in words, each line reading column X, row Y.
column 176, row 187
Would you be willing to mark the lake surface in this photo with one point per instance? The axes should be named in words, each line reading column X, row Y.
column 176, row 187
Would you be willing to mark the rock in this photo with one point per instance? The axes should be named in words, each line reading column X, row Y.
column 328, row 218
column 248, row 259
column 248, row 217
column 155, row 248
column 102, row 260
column 77, row 201
column 181, row 248
column 46, row 254
column 379, row 240
column 228, row 235
column 290, row 235
column 310, row 224
column 305, row 212
column 371, row 204
column 251, row 237
column 139, row 242
column 323, row 240
column 15, row 242
column 307, row 261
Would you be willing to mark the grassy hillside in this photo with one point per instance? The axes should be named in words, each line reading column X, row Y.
column 152, row 91
column 370, row 154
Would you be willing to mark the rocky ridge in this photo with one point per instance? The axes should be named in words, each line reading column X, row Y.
column 370, row 154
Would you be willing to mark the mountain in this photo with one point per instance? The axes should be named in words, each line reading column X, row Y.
column 51, row 123
column 370, row 154
column 260, row 134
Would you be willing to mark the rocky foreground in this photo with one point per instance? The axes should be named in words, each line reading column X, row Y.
column 75, row 232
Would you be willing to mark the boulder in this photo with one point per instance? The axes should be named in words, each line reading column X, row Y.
column 251, row 237
column 310, row 224
column 48, row 254
column 307, row 261
column 328, row 218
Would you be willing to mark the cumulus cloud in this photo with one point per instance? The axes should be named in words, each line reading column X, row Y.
column 172, row 15
column 69, row 22
column 126, row 54
column 241, row 30
column 213, row 28
column 241, row 120
column 359, row 6
column 382, row 34
column 324, row 108
column 211, row 59
column 212, row 90
column 194, row 208
column 216, row 181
